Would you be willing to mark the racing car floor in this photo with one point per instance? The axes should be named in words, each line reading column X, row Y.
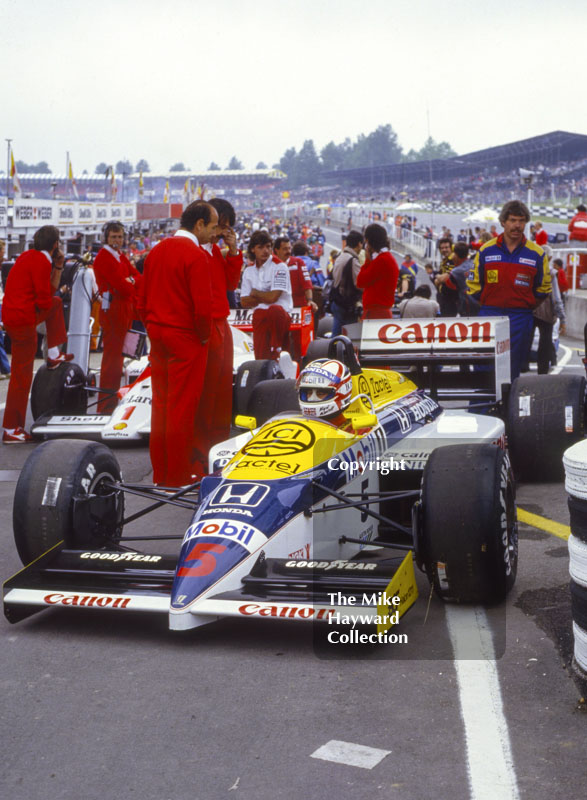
column 108, row 705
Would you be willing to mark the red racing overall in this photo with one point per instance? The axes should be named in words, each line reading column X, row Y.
column 112, row 270
column 28, row 300
column 175, row 303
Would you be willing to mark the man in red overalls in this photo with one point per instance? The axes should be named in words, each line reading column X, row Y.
column 118, row 282
column 215, row 411
column 29, row 299
column 175, row 302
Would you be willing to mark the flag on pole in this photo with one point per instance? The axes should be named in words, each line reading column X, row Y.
column 187, row 190
column 141, row 183
column 17, row 191
column 201, row 191
column 113, row 186
column 166, row 192
column 71, row 178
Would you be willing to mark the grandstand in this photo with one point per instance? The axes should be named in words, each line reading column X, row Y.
column 99, row 187
column 538, row 152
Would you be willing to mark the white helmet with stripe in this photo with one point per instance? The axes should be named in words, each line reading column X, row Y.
column 324, row 388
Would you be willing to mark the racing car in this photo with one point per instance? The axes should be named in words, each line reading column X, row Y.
column 299, row 518
column 59, row 398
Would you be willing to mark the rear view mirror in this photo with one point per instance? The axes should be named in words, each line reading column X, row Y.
column 241, row 421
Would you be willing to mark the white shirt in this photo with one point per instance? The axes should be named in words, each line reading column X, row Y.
column 268, row 278
column 187, row 235
column 114, row 252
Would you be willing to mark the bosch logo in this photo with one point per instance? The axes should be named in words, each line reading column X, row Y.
column 240, row 494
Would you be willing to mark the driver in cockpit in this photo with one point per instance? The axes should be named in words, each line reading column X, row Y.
column 324, row 391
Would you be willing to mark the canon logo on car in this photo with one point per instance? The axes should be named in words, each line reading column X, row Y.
column 439, row 332
column 86, row 600
column 289, row 612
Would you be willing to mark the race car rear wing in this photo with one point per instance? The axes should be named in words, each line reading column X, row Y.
column 301, row 320
column 439, row 353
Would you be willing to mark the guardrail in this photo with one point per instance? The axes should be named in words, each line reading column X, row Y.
column 415, row 243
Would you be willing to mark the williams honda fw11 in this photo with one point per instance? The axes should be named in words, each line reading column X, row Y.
column 300, row 519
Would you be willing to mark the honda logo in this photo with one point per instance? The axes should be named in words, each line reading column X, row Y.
column 239, row 494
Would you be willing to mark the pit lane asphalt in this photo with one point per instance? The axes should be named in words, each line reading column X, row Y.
column 108, row 705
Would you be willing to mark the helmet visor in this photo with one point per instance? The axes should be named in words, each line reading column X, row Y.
column 312, row 394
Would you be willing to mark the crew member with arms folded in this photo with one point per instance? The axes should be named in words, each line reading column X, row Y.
column 379, row 274
column 266, row 287
column 175, row 302
column 215, row 411
column 510, row 277
column 30, row 299
column 118, row 282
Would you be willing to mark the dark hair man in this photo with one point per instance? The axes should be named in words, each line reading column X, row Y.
column 407, row 277
column 561, row 277
column 28, row 300
column 447, row 300
column 379, row 274
column 266, row 287
column 118, row 282
column 215, row 411
column 301, row 285
column 175, row 301
column 510, row 277
column 420, row 306
column 344, row 295
column 454, row 283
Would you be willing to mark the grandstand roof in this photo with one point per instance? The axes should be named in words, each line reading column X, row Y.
column 274, row 174
column 548, row 150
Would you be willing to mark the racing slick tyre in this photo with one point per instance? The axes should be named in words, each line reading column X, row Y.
column 325, row 325
column 316, row 349
column 63, row 493
column 60, row 390
column 272, row 397
column 248, row 376
column 546, row 415
column 468, row 541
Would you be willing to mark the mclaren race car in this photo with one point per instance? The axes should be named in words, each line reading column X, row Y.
column 59, row 398
column 300, row 518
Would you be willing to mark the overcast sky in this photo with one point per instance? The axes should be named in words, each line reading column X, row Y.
column 198, row 81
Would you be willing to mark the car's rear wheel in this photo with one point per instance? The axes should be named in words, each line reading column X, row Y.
column 468, row 541
column 65, row 492
column 60, row 390
column 273, row 397
column 546, row 415
column 249, row 374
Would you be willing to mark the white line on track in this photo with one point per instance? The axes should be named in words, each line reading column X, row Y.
column 489, row 757
column 562, row 362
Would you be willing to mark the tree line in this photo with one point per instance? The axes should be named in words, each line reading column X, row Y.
column 376, row 148
column 306, row 166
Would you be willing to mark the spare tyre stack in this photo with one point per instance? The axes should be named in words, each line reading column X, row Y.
column 575, row 463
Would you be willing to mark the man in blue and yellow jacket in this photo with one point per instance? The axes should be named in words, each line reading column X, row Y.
column 510, row 278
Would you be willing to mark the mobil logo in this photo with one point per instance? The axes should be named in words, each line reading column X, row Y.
column 239, row 494
column 246, row 535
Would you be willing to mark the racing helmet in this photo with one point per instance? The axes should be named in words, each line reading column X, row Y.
column 324, row 388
